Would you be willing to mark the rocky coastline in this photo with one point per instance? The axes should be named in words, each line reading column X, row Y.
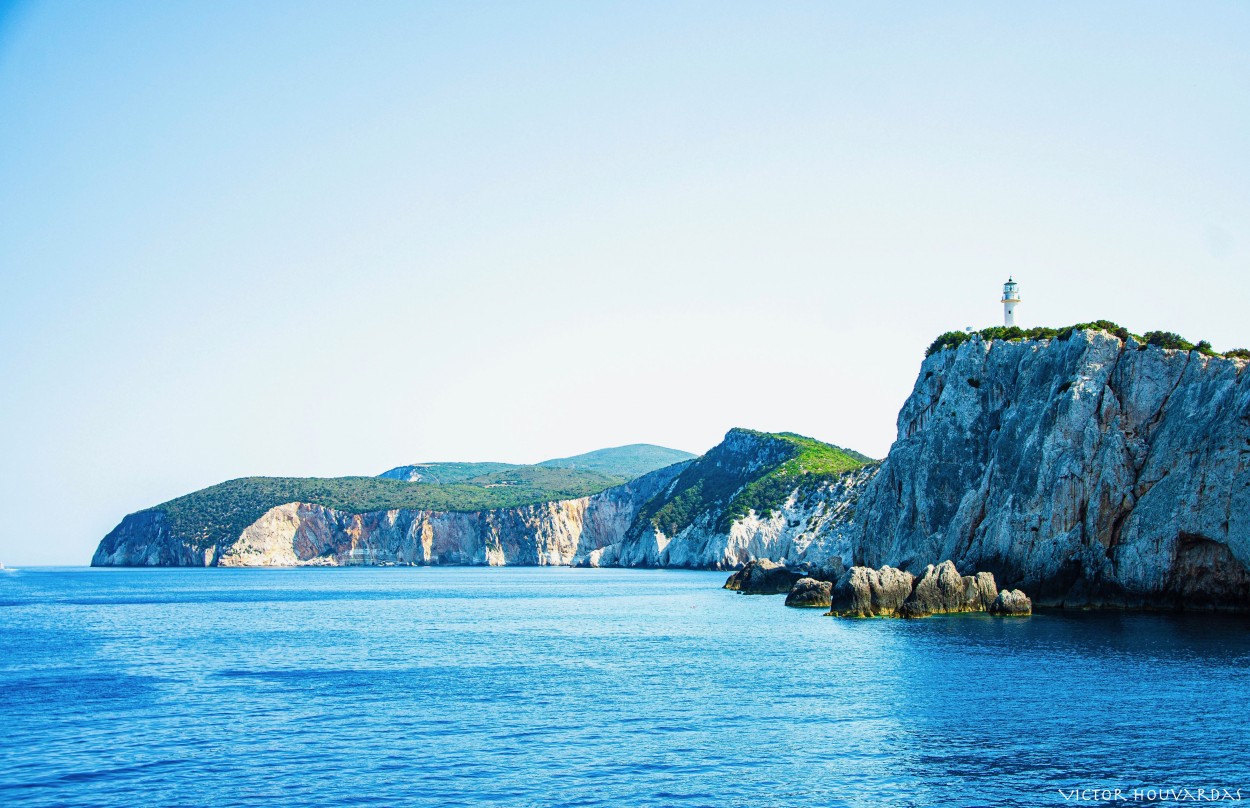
column 1088, row 471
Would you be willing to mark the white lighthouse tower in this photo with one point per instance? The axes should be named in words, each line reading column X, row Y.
column 1011, row 297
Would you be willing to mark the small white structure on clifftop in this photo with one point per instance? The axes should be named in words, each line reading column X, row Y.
column 1011, row 296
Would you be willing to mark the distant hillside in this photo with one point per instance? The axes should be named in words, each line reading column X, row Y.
column 620, row 462
column 221, row 512
column 443, row 473
column 629, row 461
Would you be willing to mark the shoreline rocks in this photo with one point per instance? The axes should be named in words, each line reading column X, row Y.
column 809, row 593
column 762, row 577
column 1011, row 604
column 865, row 592
column 890, row 592
column 942, row 590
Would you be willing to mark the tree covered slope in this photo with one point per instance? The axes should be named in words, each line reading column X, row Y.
column 748, row 471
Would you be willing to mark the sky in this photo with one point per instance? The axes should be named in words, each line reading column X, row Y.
column 320, row 239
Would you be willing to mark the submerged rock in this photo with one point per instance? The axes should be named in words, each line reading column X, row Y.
column 810, row 593
column 762, row 577
column 864, row 592
column 1011, row 604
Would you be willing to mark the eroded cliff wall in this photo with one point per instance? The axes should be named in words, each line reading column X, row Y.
column 1086, row 471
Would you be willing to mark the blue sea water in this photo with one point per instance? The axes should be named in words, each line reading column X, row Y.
column 552, row 686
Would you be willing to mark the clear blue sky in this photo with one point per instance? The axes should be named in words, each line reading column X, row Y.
column 325, row 239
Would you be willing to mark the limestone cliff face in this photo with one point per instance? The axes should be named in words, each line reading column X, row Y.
column 1086, row 471
column 303, row 534
column 812, row 528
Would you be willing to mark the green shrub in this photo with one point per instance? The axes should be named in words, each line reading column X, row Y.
column 951, row 339
column 1015, row 332
column 1097, row 325
column 1167, row 339
column 1238, row 353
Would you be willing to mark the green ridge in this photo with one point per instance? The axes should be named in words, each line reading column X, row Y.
column 630, row 461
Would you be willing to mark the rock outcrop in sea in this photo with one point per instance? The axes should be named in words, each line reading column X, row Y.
column 762, row 577
column 809, row 593
column 1011, row 604
column 865, row 592
column 890, row 592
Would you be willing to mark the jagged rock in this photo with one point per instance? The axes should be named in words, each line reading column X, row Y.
column 865, row 592
column 980, row 591
column 810, row 593
column 762, row 577
column 1011, row 604
column 942, row 590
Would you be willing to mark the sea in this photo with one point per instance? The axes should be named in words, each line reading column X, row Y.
column 550, row 686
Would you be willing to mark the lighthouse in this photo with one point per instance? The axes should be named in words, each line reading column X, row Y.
column 1011, row 296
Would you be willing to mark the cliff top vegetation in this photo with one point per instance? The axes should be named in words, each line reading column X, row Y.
column 1162, row 339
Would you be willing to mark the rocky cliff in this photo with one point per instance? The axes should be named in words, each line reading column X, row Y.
column 1087, row 471
column 304, row 534
column 755, row 495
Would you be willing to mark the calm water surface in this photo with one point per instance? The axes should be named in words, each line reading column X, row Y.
column 473, row 686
